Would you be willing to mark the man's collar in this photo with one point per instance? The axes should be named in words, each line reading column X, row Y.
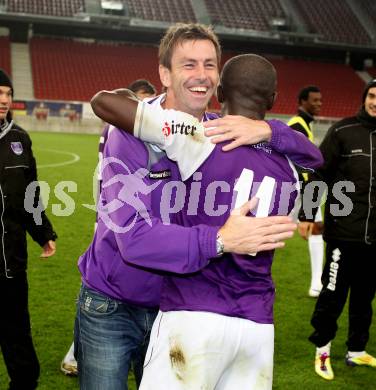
column 160, row 99
column 308, row 118
column 3, row 125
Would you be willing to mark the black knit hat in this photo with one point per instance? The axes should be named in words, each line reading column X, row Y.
column 371, row 84
column 5, row 80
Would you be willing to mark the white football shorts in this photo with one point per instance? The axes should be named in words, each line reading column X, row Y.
column 207, row 351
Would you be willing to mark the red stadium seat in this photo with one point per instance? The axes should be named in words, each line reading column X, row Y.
column 369, row 7
column 334, row 20
column 67, row 8
column 372, row 72
column 247, row 14
column 341, row 87
column 5, row 59
column 162, row 10
column 75, row 71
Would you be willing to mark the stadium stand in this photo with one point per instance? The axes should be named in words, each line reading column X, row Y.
column 162, row 10
column 370, row 9
column 5, row 59
column 67, row 8
column 247, row 14
column 372, row 72
column 75, row 71
column 340, row 93
column 339, row 84
column 333, row 20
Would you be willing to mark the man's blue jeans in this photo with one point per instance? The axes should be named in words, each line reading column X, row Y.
column 108, row 335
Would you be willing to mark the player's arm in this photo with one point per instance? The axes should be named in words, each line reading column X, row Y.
column 116, row 107
column 181, row 135
column 152, row 124
column 298, row 127
column 145, row 241
column 296, row 146
column 125, row 207
column 41, row 231
column 244, row 131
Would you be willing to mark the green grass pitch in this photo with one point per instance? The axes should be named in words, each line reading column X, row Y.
column 54, row 284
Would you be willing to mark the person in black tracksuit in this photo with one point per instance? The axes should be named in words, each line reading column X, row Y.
column 17, row 170
column 349, row 151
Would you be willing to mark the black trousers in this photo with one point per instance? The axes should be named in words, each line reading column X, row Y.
column 15, row 334
column 349, row 267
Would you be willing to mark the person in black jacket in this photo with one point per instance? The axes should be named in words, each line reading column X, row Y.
column 349, row 170
column 17, row 171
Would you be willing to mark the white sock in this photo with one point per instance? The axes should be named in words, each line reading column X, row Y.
column 316, row 253
column 324, row 349
column 351, row 354
column 70, row 354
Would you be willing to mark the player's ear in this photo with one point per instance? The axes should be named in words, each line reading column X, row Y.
column 220, row 94
column 272, row 100
column 165, row 76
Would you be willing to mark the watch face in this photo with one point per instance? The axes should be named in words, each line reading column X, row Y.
column 219, row 246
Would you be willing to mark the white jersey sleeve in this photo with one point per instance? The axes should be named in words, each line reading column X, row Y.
column 179, row 134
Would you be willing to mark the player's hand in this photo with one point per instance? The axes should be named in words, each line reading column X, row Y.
column 49, row 249
column 238, row 129
column 244, row 235
column 305, row 229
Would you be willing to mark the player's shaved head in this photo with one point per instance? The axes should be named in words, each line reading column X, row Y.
column 248, row 81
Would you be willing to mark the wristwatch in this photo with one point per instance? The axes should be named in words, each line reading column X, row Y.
column 219, row 245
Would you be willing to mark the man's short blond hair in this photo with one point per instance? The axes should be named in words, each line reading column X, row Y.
column 181, row 32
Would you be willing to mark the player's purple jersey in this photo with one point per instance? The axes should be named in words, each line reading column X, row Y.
column 129, row 225
column 233, row 285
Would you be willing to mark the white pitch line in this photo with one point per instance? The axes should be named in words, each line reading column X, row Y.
column 75, row 158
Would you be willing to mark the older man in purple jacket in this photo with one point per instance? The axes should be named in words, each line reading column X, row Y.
column 118, row 301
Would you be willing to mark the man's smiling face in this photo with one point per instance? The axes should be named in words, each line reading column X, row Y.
column 5, row 101
column 193, row 77
column 370, row 102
